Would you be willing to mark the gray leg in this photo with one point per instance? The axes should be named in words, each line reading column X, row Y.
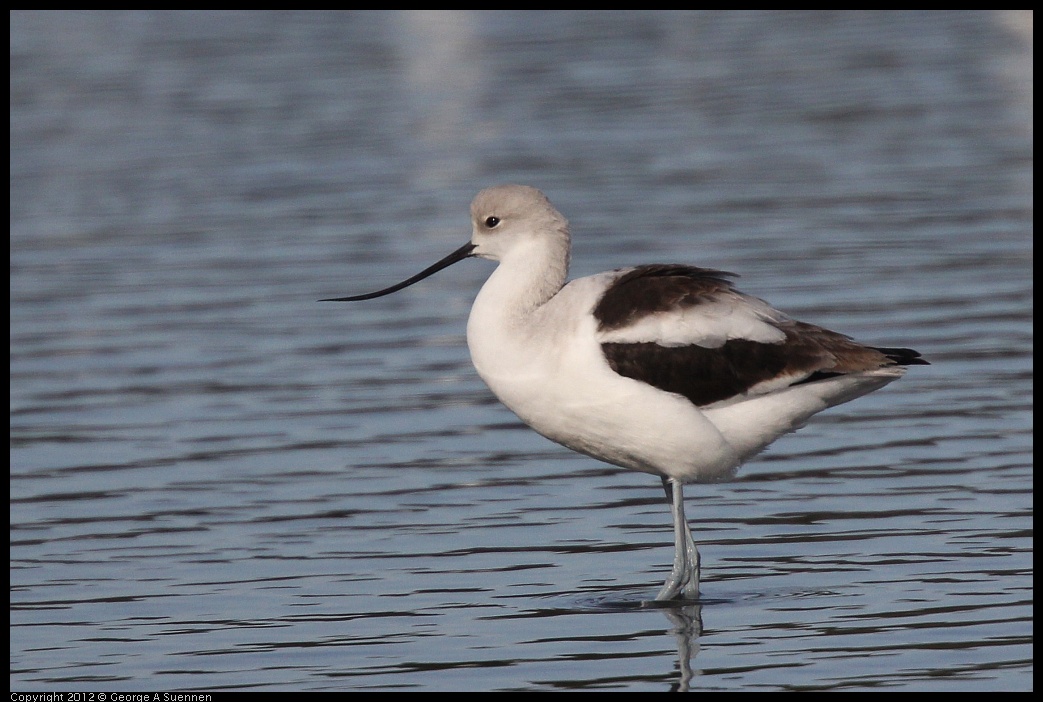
column 683, row 582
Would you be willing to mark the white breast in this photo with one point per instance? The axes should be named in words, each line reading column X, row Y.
column 547, row 367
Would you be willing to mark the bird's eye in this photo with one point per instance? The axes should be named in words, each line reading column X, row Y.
column 491, row 222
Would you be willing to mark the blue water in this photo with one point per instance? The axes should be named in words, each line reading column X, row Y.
column 218, row 483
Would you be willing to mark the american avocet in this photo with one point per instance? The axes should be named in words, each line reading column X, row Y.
column 664, row 369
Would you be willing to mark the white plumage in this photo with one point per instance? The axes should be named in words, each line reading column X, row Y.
column 663, row 369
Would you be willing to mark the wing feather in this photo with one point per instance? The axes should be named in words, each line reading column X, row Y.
column 687, row 330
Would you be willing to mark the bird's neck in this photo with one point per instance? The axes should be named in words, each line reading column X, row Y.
column 525, row 280
column 500, row 323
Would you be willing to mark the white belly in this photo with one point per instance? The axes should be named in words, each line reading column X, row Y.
column 557, row 381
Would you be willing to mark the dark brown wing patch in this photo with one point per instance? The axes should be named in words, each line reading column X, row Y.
column 701, row 374
column 706, row 375
column 657, row 288
column 903, row 357
column 709, row 375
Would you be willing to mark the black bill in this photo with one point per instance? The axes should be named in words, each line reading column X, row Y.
column 458, row 255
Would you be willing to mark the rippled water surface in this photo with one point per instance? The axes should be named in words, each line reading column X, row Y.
column 218, row 483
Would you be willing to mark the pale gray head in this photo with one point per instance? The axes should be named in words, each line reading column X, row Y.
column 507, row 217
column 507, row 221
